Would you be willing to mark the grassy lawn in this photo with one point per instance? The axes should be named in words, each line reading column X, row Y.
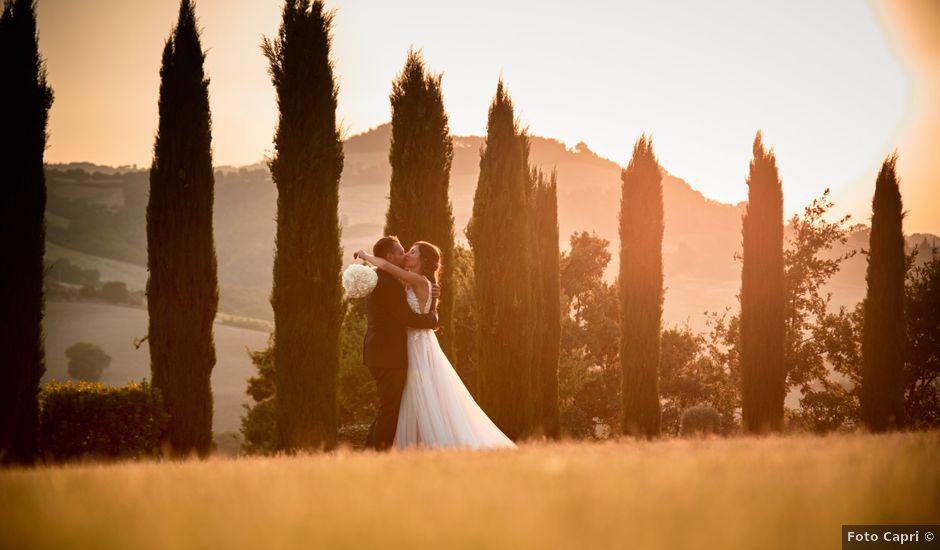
column 776, row 492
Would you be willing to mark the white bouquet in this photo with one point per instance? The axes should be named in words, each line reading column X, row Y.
column 359, row 280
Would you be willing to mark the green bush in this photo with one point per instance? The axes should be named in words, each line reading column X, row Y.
column 87, row 361
column 87, row 420
column 700, row 420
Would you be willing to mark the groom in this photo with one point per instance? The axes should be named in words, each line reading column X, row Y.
column 385, row 351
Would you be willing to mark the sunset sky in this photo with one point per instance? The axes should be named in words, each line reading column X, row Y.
column 835, row 86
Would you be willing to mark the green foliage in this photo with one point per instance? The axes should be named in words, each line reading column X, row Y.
column 763, row 297
column 307, row 296
column 809, row 266
column 258, row 425
column 465, row 326
column 63, row 271
column 25, row 99
column 691, row 377
column 182, row 290
column 883, row 337
column 357, row 392
column 821, row 348
column 95, row 421
column 641, row 290
column 87, row 361
column 700, row 420
column 420, row 156
column 589, row 365
column 922, row 369
column 358, row 396
column 500, row 235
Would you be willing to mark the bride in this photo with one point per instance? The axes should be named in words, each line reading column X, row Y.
column 436, row 408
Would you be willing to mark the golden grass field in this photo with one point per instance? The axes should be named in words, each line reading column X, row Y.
column 736, row 493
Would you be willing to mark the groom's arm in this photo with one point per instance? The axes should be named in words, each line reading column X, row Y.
column 403, row 314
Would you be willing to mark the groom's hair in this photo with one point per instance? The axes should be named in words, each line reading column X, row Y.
column 384, row 245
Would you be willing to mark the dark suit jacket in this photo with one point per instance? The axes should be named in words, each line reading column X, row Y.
column 388, row 314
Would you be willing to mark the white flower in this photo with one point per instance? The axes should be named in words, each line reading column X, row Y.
column 359, row 280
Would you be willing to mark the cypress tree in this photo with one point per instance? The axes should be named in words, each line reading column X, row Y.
column 420, row 155
column 548, row 296
column 182, row 289
column 25, row 99
column 499, row 234
column 763, row 296
column 883, row 336
column 641, row 290
column 307, row 296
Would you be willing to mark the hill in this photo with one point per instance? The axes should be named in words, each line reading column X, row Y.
column 99, row 211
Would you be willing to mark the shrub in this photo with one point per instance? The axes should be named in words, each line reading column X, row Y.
column 115, row 292
column 353, row 435
column 86, row 420
column 87, row 361
column 700, row 420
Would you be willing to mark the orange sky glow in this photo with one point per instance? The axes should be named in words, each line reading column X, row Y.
column 835, row 86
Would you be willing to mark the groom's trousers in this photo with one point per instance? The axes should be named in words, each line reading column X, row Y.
column 391, row 384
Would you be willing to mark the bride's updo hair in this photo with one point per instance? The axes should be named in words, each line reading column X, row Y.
column 430, row 261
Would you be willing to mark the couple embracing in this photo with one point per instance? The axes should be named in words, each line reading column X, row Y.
column 422, row 401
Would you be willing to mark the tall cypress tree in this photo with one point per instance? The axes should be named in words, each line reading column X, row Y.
column 306, row 167
column 641, row 290
column 500, row 235
column 421, row 154
column 547, row 322
column 763, row 296
column 182, row 290
column 883, row 336
column 25, row 99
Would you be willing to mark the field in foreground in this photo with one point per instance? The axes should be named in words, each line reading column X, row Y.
column 779, row 492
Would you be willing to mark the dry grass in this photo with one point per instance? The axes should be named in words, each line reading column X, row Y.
column 779, row 492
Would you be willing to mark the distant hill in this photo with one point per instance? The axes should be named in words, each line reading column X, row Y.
column 100, row 212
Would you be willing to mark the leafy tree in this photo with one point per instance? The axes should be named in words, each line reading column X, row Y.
column 500, row 236
column 115, row 291
column 358, row 396
column 809, row 266
column 641, row 290
column 307, row 296
column 420, row 155
column 922, row 369
column 690, row 376
column 182, row 289
column 589, row 364
column 883, row 338
column 357, row 393
column 814, row 337
column 87, row 361
column 763, row 297
column 25, row 99
column 258, row 425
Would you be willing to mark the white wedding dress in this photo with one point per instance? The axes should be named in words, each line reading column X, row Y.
column 436, row 408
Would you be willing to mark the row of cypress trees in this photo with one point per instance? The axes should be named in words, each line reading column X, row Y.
column 763, row 284
column 513, row 233
column 763, row 298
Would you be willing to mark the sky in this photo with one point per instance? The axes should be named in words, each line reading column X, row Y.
column 834, row 86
